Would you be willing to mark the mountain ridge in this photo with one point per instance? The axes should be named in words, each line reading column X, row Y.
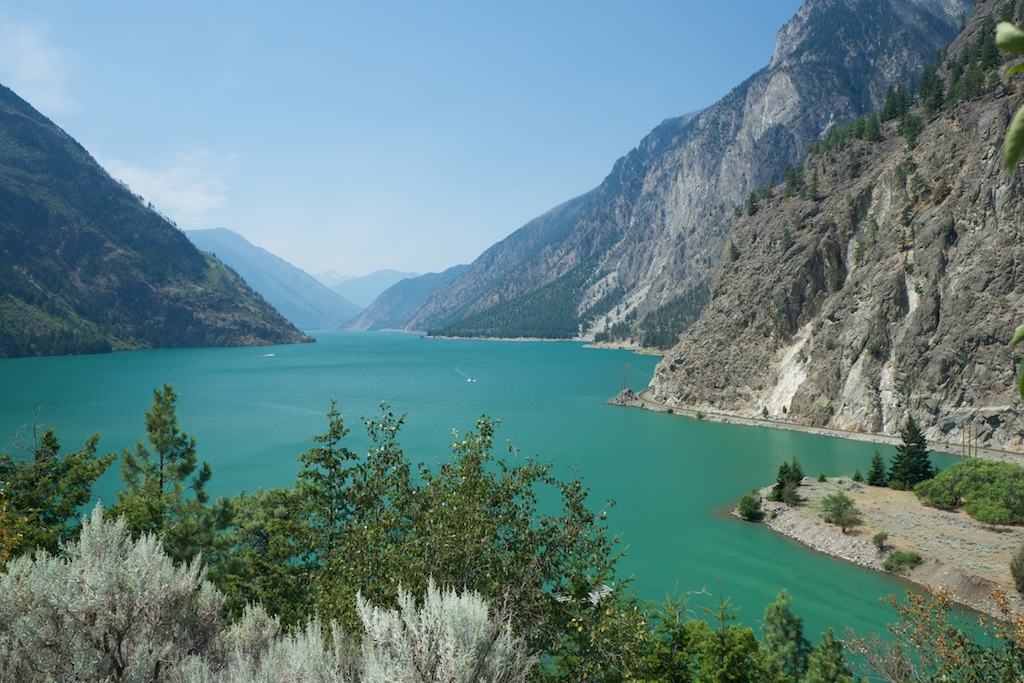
column 86, row 267
column 651, row 234
column 299, row 297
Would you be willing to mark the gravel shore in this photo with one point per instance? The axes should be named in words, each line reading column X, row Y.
column 969, row 558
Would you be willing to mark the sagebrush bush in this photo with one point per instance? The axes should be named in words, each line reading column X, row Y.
column 108, row 607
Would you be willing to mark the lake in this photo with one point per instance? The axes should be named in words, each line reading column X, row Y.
column 673, row 480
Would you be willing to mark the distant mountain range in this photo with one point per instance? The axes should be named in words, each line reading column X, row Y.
column 364, row 289
column 87, row 267
column 299, row 297
column 393, row 308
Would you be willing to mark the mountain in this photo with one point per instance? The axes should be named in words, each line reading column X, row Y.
column 395, row 305
column 892, row 289
column 330, row 278
column 364, row 289
column 86, row 267
column 299, row 297
column 645, row 244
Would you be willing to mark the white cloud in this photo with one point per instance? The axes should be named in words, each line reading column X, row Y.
column 188, row 189
column 33, row 68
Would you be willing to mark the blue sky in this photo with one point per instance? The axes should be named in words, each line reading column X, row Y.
column 361, row 136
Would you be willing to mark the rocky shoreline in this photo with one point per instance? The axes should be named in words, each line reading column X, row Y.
column 960, row 554
column 643, row 400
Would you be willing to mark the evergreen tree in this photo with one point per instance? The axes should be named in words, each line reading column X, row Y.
column 877, row 475
column 911, row 464
column 787, row 649
column 932, row 92
column 872, row 129
column 158, row 480
column 46, row 490
column 827, row 663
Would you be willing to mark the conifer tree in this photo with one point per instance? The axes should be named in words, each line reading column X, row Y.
column 911, row 464
column 784, row 640
column 827, row 663
column 877, row 475
column 47, row 489
column 165, row 488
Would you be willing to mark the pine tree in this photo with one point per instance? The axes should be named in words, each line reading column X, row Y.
column 46, row 490
column 827, row 663
column 877, row 475
column 784, row 640
column 158, row 479
column 911, row 464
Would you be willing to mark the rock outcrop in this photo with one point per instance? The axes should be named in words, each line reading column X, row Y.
column 893, row 291
column 651, row 235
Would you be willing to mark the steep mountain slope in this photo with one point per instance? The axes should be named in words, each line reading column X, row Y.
column 892, row 290
column 400, row 301
column 503, row 264
column 85, row 267
column 363, row 290
column 297, row 295
column 649, row 238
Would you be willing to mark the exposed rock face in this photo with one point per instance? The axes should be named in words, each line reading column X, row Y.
column 654, row 230
column 894, row 292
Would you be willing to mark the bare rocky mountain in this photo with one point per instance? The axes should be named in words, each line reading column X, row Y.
column 893, row 289
column 651, row 235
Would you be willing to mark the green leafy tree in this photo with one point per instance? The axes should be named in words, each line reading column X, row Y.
column 911, row 464
column 839, row 509
column 164, row 487
column 783, row 635
column 46, row 490
column 876, row 474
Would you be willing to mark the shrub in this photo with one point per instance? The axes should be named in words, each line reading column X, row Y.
column 1017, row 569
column 699, row 415
column 451, row 637
column 108, row 606
column 858, row 477
column 822, row 477
column 750, row 507
column 839, row 509
column 879, row 540
column 901, row 561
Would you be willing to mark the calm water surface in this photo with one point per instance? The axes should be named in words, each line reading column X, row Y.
column 253, row 411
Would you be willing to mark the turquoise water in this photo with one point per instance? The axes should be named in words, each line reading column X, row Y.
column 253, row 411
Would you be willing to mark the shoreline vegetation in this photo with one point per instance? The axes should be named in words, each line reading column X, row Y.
column 958, row 553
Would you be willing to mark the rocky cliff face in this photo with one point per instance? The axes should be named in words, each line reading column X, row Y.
column 653, row 231
column 893, row 291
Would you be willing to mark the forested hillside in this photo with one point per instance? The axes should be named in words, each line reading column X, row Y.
column 86, row 267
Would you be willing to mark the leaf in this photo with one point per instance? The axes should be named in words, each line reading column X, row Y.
column 1018, row 336
column 1010, row 38
column 1013, row 147
column 1016, row 68
column 1020, row 378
